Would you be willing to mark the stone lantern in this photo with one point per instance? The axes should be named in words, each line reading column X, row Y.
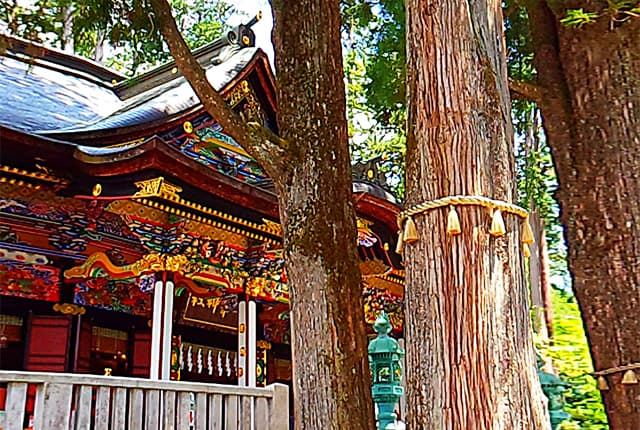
column 385, row 359
column 554, row 388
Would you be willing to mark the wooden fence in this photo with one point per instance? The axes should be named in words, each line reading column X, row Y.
column 87, row 402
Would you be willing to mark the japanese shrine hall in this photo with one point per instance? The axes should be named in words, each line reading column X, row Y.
column 137, row 238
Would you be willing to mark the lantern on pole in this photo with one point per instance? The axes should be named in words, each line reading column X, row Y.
column 385, row 360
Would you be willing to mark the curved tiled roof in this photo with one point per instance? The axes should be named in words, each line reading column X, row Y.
column 34, row 97
column 170, row 98
column 40, row 97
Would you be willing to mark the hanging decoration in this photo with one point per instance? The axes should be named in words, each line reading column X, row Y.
column 453, row 222
column 407, row 232
column 497, row 224
column 629, row 377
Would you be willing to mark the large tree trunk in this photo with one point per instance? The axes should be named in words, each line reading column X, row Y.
column 67, row 29
column 312, row 173
column 535, row 276
column 545, row 282
column 470, row 361
column 590, row 79
column 331, row 370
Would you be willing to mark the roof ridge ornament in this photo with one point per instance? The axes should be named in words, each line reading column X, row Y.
column 242, row 36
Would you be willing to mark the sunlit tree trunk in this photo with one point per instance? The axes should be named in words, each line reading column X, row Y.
column 470, row 361
column 67, row 29
column 312, row 174
column 535, row 277
column 590, row 82
column 328, row 338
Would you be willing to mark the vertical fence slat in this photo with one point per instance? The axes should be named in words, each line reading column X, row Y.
column 83, row 408
column 169, row 410
column 183, row 410
column 231, row 411
column 215, row 412
column 136, row 404
column 261, row 418
column 200, row 419
column 279, row 407
column 57, row 406
column 102, row 408
column 15, row 405
column 245, row 412
column 152, row 409
column 119, row 411
column 38, row 407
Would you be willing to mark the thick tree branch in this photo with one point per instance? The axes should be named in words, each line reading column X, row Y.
column 524, row 90
column 267, row 148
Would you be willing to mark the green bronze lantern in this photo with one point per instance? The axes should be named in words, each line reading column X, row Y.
column 385, row 359
column 554, row 388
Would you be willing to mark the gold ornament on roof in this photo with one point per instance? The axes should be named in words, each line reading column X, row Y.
column 157, row 187
column 263, row 344
column 69, row 309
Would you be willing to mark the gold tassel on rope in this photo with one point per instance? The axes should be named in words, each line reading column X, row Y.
column 602, row 383
column 630, row 378
column 410, row 232
column 526, row 250
column 400, row 243
column 497, row 224
column 453, row 222
column 527, row 233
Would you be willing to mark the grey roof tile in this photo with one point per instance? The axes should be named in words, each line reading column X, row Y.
column 37, row 98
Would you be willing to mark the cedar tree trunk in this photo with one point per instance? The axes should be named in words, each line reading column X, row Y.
column 590, row 85
column 329, row 341
column 310, row 167
column 470, row 360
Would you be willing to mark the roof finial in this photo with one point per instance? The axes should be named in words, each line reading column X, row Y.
column 255, row 19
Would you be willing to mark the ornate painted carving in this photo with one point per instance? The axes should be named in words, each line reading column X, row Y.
column 132, row 296
column 23, row 257
column 29, row 281
column 376, row 300
column 157, row 187
column 211, row 147
column 69, row 309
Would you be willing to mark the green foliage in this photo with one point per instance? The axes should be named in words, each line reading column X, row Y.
column 377, row 30
column 617, row 11
column 570, row 356
column 578, row 18
column 124, row 29
column 375, row 95
column 537, row 182
column 519, row 55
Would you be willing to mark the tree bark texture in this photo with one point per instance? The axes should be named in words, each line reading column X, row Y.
column 310, row 167
column 590, row 79
column 535, row 277
column 332, row 388
column 470, row 361
column 545, row 282
column 538, row 251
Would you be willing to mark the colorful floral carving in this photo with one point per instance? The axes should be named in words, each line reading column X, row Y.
column 131, row 296
column 69, row 229
column 211, row 147
column 376, row 301
column 29, row 281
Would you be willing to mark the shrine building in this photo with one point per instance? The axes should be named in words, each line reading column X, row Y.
column 137, row 238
